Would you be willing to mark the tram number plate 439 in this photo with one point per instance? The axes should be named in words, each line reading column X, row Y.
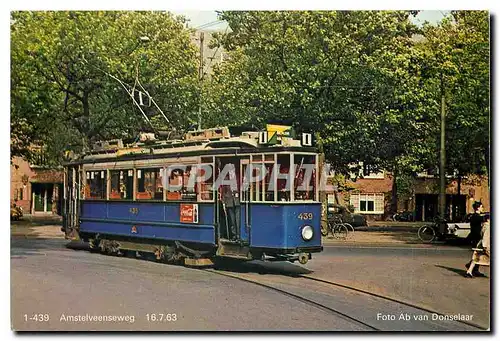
column 305, row 216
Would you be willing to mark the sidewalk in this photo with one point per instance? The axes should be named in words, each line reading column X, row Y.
column 37, row 227
column 377, row 238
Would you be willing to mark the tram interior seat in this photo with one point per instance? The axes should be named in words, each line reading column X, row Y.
column 143, row 195
column 115, row 195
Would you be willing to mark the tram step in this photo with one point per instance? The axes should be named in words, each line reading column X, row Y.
column 235, row 251
column 234, row 242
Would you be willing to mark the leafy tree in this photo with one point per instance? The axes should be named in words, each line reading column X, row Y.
column 457, row 66
column 367, row 83
column 344, row 75
column 61, row 62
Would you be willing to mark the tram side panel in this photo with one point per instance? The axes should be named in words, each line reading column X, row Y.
column 147, row 220
column 279, row 226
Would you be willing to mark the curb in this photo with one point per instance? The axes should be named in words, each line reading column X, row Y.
column 386, row 229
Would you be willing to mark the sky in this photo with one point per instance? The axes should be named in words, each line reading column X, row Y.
column 202, row 18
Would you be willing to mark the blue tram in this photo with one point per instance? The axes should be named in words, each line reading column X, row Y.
column 208, row 196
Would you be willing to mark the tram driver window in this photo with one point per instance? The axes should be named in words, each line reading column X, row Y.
column 96, row 185
column 149, row 184
column 122, row 184
column 305, row 177
column 269, row 184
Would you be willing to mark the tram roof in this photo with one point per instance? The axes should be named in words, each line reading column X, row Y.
column 247, row 143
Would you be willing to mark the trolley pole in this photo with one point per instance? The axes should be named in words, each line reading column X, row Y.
column 202, row 38
column 442, row 157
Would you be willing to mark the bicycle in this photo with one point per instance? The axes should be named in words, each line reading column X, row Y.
column 338, row 230
column 430, row 232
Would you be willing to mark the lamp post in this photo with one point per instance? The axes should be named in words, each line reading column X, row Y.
column 442, row 159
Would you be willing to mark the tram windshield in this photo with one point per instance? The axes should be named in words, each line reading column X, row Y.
column 280, row 177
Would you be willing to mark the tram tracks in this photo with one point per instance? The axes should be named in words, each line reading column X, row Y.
column 250, row 278
column 352, row 317
column 391, row 299
column 297, row 297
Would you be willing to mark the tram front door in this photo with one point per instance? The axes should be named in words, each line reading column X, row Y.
column 229, row 203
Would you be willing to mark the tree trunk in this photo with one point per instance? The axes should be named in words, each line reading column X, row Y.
column 394, row 194
column 337, row 200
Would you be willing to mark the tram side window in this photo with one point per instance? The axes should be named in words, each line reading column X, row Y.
column 149, row 184
column 179, row 185
column 284, row 181
column 206, row 185
column 122, row 184
column 96, row 185
column 256, row 178
column 305, row 177
column 189, row 189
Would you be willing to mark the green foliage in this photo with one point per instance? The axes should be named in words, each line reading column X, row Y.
column 346, row 76
column 368, row 84
column 59, row 87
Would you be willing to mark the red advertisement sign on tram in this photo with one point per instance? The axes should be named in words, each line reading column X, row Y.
column 189, row 213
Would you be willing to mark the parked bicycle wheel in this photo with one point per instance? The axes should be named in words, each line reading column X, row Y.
column 339, row 231
column 349, row 227
column 427, row 233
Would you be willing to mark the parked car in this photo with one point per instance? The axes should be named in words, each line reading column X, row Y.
column 337, row 212
column 16, row 212
column 403, row 216
column 462, row 229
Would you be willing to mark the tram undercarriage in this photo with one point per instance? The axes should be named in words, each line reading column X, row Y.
column 190, row 254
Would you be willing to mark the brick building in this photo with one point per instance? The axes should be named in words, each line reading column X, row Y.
column 371, row 195
column 38, row 190
column 424, row 199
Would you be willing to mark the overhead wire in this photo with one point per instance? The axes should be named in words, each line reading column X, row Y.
column 213, row 56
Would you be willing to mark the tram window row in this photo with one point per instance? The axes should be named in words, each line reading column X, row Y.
column 147, row 184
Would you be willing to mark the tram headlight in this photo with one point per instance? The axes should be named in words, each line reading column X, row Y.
column 307, row 233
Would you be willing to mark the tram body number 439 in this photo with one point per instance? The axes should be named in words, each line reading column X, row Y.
column 305, row 216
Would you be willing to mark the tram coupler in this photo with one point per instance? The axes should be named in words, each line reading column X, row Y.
column 304, row 257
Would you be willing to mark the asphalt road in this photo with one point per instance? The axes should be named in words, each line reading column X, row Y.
column 69, row 288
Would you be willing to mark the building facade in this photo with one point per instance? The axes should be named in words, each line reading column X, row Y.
column 38, row 190
column 371, row 195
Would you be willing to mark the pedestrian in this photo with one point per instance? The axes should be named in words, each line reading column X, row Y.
column 474, row 237
column 480, row 257
column 476, row 222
